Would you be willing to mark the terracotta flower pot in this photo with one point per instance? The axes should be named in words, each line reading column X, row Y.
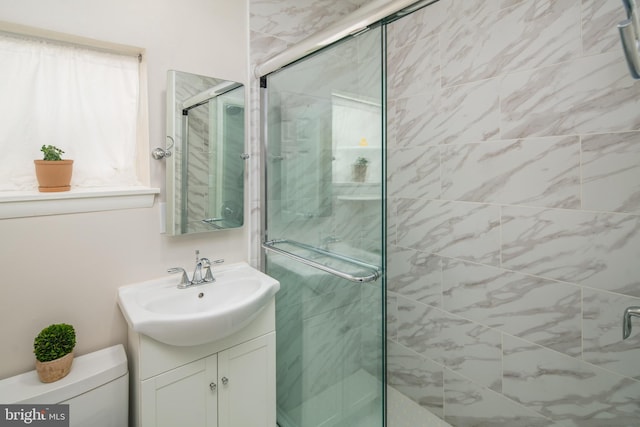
column 54, row 370
column 54, row 175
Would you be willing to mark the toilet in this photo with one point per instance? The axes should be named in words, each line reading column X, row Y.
column 96, row 389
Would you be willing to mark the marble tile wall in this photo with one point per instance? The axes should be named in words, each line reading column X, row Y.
column 513, row 213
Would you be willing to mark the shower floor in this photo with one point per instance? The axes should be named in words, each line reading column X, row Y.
column 404, row 412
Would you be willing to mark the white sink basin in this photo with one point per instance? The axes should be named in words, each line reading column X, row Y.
column 198, row 314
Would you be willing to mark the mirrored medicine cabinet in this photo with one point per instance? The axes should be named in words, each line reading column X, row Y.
column 205, row 170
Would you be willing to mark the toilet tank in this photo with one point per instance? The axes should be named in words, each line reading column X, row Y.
column 96, row 389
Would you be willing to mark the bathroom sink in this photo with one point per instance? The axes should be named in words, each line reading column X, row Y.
column 198, row 314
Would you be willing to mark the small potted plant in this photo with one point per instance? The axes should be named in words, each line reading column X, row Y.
column 359, row 169
column 53, row 172
column 53, row 348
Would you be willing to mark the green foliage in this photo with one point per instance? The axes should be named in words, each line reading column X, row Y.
column 361, row 161
column 54, row 341
column 51, row 152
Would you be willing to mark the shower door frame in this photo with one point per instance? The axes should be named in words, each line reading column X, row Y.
column 378, row 273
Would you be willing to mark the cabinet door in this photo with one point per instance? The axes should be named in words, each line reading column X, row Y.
column 185, row 396
column 247, row 384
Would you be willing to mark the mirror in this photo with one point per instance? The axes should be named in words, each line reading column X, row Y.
column 205, row 172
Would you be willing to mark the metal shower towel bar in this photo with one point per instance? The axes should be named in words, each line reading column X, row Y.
column 372, row 276
column 629, row 34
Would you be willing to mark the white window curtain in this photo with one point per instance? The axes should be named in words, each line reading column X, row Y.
column 84, row 101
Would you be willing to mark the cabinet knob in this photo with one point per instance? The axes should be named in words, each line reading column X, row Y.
column 213, row 386
column 225, row 380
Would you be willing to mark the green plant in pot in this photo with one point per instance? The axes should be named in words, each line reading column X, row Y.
column 53, row 172
column 53, row 348
column 359, row 169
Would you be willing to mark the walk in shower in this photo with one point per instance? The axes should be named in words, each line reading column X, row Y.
column 508, row 228
column 324, row 234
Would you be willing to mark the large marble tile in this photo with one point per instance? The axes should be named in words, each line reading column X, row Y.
column 416, row 377
column 392, row 316
column 466, row 347
column 461, row 230
column 534, row 33
column 566, row 389
column 468, row 405
column 415, row 275
column 423, row 23
column 471, row 12
column 414, row 68
column 466, row 113
column 537, row 172
column 289, row 360
column 510, row 3
column 409, row 123
column 414, row 172
column 295, row 21
column 603, row 344
column 327, row 302
column 391, row 125
column 586, row 95
column 331, row 349
column 371, row 306
column 599, row 25
column 437, row 16
column 347, row 221
column 392, row 221
column 369, row 55
column 264, row 46
column 611, row 172
column 539, row 310
column 404, row 412
column 599, row 250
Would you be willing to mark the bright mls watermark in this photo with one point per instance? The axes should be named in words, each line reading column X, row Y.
column 34, row 415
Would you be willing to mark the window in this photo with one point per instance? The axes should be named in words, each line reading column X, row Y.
column 85, row 101
column 86, row 97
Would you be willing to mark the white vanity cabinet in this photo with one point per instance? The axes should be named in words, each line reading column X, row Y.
column 181, row 396
column 229, row 383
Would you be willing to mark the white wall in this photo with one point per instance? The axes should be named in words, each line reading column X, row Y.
column 67, row 268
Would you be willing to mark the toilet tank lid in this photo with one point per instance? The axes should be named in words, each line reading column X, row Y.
column 88, row 371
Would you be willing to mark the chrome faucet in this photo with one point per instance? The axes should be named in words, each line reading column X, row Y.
column 626, row 320
column 197, row 271
column 184, row 279
column 198, row 277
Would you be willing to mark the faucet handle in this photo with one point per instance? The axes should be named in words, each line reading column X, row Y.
column 184, row 279
column 206, row 263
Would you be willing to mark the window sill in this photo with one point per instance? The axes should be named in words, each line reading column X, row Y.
column 21, row 204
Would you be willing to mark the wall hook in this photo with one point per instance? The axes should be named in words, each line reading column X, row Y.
column 161, row 153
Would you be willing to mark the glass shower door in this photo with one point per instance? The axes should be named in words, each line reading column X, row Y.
column 324, row 233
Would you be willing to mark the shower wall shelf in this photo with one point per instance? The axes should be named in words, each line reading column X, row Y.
column 629, row 30
column 361, row 271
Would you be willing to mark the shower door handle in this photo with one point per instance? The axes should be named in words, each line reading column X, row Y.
column 374, row 270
